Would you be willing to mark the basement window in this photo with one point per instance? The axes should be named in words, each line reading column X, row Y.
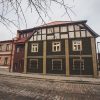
column 56, row 64
column 78, row 64
column 34, row 63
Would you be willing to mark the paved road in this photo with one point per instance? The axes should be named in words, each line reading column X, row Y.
column 31, row 89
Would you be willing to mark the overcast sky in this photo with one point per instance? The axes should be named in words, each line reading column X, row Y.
column 84, row 10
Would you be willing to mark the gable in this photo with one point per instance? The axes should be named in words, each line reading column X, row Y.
column 76, row 30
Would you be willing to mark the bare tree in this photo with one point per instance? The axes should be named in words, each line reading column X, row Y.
column 12, row 10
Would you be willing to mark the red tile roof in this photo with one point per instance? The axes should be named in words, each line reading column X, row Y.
column 22, row 40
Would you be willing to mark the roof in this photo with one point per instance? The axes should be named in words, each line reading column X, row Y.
column 23, row 40
column 92, row 31
column 6, row 41
column 54, row 23
column 57, row 23
column 61, row 23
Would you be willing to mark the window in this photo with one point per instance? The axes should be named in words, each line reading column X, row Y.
column 83, row 34
column 57, row 35
column 71, row 28
column 8, row 47
column 44, row 31
column 56, row 46
column 34, row 63
column 0, row 47
column 64, row 36
column 34, row 47
column 21, row 35
column 88, row 34
column 38, row 37
column 39, row 31
column 56, row 29
column 64, row 29
column 56, row 64
column 77, row 27
column 24, row 35
column 50, row 37
column 77, row 34
column 6, row 61
column 35, row 37
column 43, row 37
column 50, row 30
column 77, row 45
column 17, row 49
column 71, row 34
column 78, row 64
column 0, row 60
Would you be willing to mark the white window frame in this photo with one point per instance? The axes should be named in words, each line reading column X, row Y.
column 77, row 43
column 34, row 60
column 7, row 47
column 53, row 63
column 6, row 61
column 56, row 45
column 34, row 47
column 81, row 60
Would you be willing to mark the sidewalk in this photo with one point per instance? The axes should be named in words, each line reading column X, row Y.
column 57, row 78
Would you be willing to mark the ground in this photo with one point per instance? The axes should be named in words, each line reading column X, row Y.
column 18, row 88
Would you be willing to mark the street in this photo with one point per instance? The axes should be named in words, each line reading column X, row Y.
column 19, row 88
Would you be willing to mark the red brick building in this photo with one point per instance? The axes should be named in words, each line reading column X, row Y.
column 18, row 50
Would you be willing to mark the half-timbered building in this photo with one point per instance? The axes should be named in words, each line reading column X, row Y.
column 62, row 47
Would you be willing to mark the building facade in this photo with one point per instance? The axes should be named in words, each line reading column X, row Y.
column 18, row 50
column 5, row 55
column 61, row 47
column 99, row 61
